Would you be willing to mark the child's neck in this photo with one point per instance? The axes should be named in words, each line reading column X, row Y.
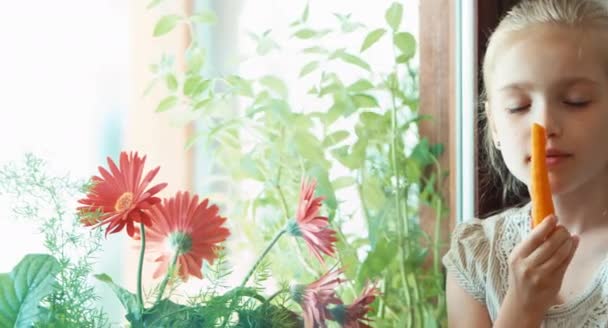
column 586, row 207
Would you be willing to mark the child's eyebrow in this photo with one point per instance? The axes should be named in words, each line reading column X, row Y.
column 577, row 80
column 516, row 86
column 565, row 82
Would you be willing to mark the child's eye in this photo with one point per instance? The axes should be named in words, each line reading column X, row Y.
column 577, row 103
column 517, row 108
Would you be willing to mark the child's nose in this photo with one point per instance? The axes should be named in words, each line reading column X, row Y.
column 549, row 119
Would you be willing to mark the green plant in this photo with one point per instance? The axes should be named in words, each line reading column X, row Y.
column 178, row 232
column 368, row 130
column 59, row 279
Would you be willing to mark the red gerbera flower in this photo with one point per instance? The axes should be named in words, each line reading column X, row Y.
column 354, row 315
column 311, row 226
column 315, row 298
column 120, row 196
column 183, row 226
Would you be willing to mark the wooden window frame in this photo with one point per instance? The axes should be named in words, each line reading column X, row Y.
column 437, row 41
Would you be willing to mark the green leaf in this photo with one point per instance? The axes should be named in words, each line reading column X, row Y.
column 393, row 15
column 374, row 126
column 250, row 168
column 430, row 319
column 377, row 260
column 202, row 104
column 401, row 59
column 372, row 38
column 335, row 138
column 150, row 86
column 315, row 50
column 166, row 24
column 330, row 88
column 407, row 44
column 392, row 82
column 421, row 153
column 196, row 59
column 166, row 104
column 324, row 188
column 128, row 300
column 191, row 84
column 309, row 68
column 169, row 314
column 301, row 122
column 279, row 110
column 305, row 13
column 333, row 113
column 23, row 289
column 353, row 159
column 307, row 33
column 347, row 25
column 171, row 81
column 193, row 139
column 437, row 149
column 352, row 59
column 205, row 17
column 343, row 182
column 373, row 194
column 348, row 258
column 364, row 101
column 265, row 43
column 153, row 4
column 313, row 90
column 308, row 146
column 201, row 87
column 242, row 86
column 275, row 84
column 360, row 86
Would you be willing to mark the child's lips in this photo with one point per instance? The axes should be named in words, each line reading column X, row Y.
column 554, row 158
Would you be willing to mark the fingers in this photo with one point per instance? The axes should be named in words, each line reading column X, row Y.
column 550, row 246
column 537, row 236
column 562, row 257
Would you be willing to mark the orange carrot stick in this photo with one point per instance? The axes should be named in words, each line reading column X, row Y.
column 542, row 201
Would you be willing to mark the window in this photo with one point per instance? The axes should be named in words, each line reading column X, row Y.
column 65, row 89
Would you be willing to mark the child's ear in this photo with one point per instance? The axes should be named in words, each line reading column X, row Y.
column 491, row 124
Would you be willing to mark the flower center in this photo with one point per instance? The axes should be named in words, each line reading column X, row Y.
column 293, row 228
column 180, row 242
column 124, row 201
column 297, row 293
column 339, row 313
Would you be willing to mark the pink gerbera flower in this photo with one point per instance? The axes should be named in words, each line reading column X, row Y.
column 311, row 226
column 354, row 315
column 119, row 198
column 183, row 227
column 315, row 298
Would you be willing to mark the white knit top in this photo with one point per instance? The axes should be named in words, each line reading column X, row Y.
column 478, row 257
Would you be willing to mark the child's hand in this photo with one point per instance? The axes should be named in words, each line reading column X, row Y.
column 538, row 264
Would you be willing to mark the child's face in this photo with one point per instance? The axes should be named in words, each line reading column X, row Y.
column 555, row 76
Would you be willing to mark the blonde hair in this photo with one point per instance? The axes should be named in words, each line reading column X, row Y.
column 526, row 14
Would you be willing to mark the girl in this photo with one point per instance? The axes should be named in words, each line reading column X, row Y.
column 546, row 62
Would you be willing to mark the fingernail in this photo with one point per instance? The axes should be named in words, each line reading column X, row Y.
column 575, row 239
column 553, row 218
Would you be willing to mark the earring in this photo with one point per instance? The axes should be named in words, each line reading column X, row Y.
column 497, row 144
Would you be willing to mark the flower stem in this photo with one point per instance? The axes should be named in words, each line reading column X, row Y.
column 279, row 292
column 257, row 263
column 280, row 192
column 140, row 266
column 163, row 284
column 402, row 227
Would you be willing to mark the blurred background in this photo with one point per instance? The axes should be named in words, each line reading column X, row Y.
column 82, row 81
